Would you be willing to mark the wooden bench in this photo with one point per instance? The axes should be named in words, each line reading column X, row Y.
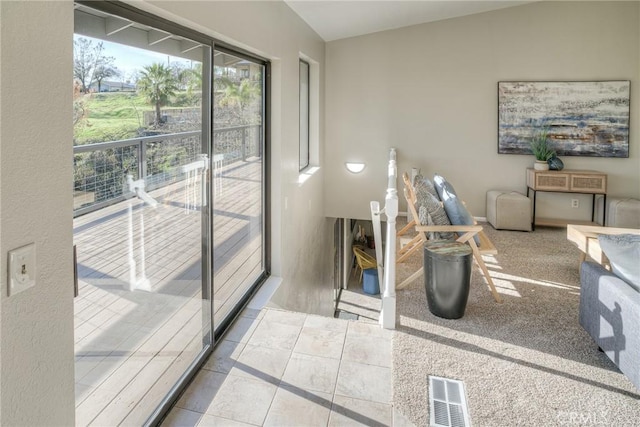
column 466, row 234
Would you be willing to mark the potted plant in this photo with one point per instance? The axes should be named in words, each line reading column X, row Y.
column 541, row 149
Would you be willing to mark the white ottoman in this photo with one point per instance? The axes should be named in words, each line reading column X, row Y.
column 508, row 210
column 621, row 212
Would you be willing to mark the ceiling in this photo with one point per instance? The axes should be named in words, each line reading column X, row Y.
column 334, row 20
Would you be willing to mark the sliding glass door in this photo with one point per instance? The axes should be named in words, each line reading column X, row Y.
column 142, row 213
column 238, row 179
column 169, row 193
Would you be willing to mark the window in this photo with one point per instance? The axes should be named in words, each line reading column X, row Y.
column 304, row 114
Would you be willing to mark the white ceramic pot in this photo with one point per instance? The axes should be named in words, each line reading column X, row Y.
column 541, row 165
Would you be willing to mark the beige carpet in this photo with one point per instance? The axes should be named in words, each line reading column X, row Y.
column 526, row 361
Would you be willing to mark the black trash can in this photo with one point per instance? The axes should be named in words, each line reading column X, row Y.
column 447, row 277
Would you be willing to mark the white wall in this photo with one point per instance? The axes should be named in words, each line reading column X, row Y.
column 36, row 326
column 431, row 91
column 301, row 235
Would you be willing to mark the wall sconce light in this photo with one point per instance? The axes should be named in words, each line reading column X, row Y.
column 355, row 167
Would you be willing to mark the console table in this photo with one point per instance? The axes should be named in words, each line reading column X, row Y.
column 568, row 181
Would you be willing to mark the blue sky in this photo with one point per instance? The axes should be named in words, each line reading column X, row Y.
column 131, row 59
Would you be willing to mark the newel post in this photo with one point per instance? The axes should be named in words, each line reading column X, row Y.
column 388, row 310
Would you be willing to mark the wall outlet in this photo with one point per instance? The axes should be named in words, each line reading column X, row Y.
column 575, row 203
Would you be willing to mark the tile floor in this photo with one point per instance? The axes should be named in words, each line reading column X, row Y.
column 278, row 368
column 355, row 304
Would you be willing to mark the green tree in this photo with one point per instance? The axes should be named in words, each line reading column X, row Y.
column 158, row 84
column 240, row 95
column 79, row 108
column 192, row 78
column 189, row 80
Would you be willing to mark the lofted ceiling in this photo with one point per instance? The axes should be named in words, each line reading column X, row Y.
column 331, row 19
column 334, row 20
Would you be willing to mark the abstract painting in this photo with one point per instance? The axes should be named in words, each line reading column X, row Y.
column 581, row 118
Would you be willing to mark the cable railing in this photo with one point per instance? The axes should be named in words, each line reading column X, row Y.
column 100, row 170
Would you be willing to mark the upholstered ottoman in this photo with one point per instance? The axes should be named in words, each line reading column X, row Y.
column 508, row 210
column 621, row 212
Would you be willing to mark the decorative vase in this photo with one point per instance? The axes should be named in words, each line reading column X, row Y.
column 541, row 165
column 555, row 164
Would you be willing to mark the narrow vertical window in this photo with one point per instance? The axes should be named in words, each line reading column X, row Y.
column 304, row 114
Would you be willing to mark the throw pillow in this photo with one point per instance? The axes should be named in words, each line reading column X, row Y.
column 438, row 183
column 456, row 210
column 623, row 251
column 425, row 219
column 434, row 209
column 425, row 183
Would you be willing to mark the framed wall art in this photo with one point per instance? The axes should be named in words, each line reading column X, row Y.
column 580, row 118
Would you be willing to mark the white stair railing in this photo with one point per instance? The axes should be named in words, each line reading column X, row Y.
column 377, row 238
column 388, row 309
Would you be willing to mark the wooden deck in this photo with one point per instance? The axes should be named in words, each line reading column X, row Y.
column 139, row 314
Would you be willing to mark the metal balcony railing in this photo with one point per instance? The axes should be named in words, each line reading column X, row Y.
column 100, row 170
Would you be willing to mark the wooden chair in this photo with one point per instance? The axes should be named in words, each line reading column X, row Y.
column 466, row 234
column 363, row 261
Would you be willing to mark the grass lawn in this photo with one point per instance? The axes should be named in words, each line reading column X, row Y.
column 110, row 116
column 113, row 116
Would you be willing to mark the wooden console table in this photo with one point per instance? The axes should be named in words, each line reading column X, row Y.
column 568, row 181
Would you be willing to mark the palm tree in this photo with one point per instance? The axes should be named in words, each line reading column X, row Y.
column 239, row 95
column 193, row 78
column 157, row 83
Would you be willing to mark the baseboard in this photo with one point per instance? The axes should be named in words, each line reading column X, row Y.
column 264, row 294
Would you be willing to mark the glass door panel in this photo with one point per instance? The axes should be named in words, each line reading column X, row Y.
column 141, row 208
column 238, row 179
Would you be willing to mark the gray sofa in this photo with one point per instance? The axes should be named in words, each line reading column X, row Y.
column 610, row 313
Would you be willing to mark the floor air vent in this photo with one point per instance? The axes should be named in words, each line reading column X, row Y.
column 447, row 403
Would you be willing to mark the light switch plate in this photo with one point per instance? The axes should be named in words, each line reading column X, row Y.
column 22, row 269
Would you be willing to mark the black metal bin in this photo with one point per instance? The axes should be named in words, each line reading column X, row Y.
column 447, row 277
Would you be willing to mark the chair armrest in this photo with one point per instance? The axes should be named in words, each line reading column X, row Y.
column 451, row 228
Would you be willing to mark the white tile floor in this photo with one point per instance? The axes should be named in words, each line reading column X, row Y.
column 278, row 368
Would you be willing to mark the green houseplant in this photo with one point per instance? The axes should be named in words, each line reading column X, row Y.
column 541, row 149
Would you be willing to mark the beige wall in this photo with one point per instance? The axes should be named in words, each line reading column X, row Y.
column 37, row 386
column 431, row 91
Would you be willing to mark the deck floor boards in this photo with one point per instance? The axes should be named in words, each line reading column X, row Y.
column 133, row 341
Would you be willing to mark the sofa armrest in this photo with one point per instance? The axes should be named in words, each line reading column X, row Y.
column 610, row 313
